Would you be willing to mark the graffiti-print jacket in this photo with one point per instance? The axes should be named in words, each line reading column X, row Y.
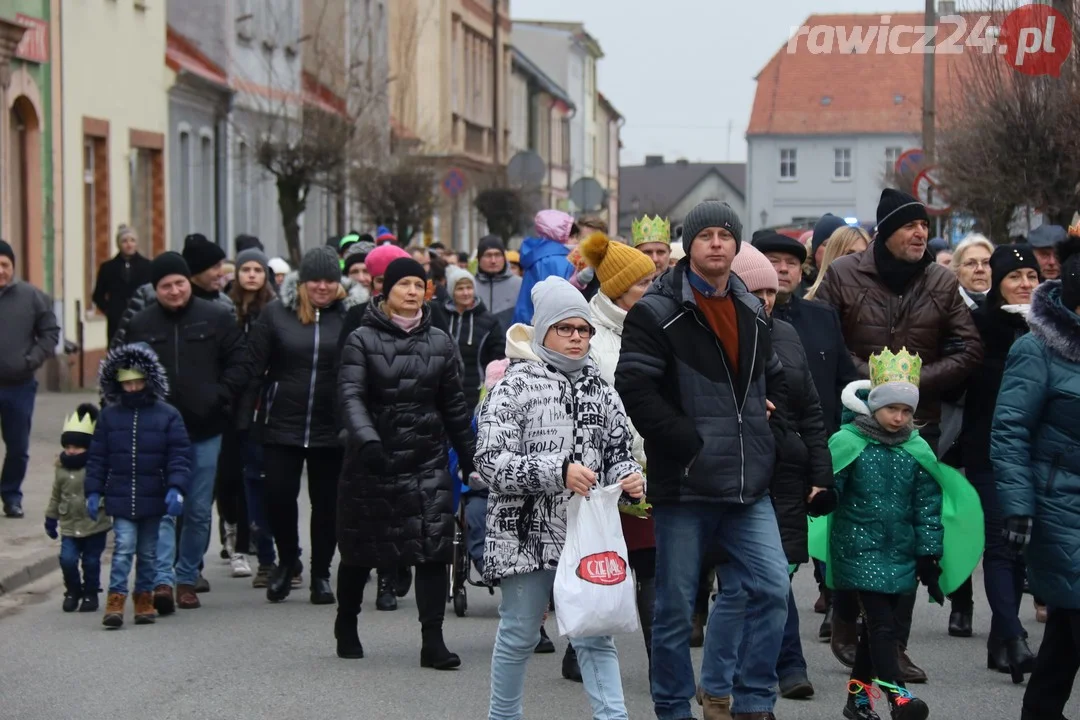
column 533, row 423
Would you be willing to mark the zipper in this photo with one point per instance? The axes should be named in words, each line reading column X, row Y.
column 311, row 388
column 1053, row 473
column 134, row 455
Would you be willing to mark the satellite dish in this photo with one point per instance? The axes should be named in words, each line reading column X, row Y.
column 526, row 168
column 588, row 195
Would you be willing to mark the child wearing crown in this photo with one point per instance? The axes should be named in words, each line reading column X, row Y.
column 82, row 537
column 889, row 532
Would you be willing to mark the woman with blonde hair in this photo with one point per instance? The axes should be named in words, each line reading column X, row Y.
column 971, row 263
column 847, row 240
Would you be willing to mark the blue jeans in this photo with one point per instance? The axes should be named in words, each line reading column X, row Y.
column 16, row 411
column 755, row 589
column 476, row 525
column 87, row 549
column 255, row 497
column 134, row 539
column 524, row 600
column 195, row 528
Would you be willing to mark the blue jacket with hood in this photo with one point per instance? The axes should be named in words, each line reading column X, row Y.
column 540, row 259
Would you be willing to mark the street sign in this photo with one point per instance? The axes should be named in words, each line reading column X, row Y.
column 453, row 182
column 927, row 188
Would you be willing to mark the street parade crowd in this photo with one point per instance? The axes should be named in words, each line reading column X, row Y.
column 881, row 410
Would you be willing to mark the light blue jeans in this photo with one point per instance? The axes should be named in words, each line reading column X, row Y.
column 524, row 600
column 135, row 539
column 195, row 525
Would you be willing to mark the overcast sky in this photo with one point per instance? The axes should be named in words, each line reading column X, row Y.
column 681, row 71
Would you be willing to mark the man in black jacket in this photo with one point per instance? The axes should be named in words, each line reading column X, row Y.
column 696, row 368
column 119, row 277
column 202, row 349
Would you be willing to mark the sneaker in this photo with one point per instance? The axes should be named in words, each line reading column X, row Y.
column 13, row 510
column 262, row 576
column 229, row 544
column 71, row 602
column 89, row 603
column 860, row 701
column 240, row 567
column 202, row 585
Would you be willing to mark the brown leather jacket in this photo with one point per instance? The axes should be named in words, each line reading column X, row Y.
column 930, row 319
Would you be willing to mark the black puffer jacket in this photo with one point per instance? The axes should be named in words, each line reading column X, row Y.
column 480, row 339
column 354, row 318
column 403, row 390
column 145, row 296
column 802, row 455
column 297, row 366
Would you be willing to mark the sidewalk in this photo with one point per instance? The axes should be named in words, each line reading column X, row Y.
column 26, row 552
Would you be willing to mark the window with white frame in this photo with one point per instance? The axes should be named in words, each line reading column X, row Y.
column 185, row 180
column 206, row 183
column 892, row 154
column 842, row 164
column 788, row 160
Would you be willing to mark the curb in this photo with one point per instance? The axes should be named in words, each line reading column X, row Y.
column 34, row 568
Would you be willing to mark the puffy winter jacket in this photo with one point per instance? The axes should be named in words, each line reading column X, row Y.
column 403, row 390
column 540, row 258
column 146, row 296
column 706, row 432
column 68, row 501
column 930, row 319
column 532, row 423
column 140, row 447
column 802, row 454
column 480, row 339
column 499, row 293
column 1035, row 445
column 297, row 365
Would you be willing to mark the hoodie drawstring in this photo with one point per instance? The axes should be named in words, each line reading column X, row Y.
column 472, row 317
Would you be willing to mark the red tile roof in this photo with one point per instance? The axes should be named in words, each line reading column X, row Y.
column 867, row 93
column 182, row 55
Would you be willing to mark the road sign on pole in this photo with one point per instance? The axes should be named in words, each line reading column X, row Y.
column 453, row 183
column 909, row 161
column 927, row 188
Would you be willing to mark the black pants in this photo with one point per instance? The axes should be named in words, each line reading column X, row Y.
column 283, row 467
column 229, row 491
column 431, row 583
column 876, row 653
column 1050, row 686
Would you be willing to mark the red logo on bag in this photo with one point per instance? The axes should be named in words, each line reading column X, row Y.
column 605, row 568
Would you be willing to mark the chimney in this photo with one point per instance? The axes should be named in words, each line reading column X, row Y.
column 654, row 160
column 946, row 7
column 682, row 161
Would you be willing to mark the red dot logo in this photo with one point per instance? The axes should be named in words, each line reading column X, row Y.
column 1037, row 39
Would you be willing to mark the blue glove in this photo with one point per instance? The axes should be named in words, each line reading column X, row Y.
column 174, row 503
column 93, row 502
column 50, row 528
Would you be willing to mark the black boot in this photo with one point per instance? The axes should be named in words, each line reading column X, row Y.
column 433, row 653
column 544, row 646
column 350, row 597
column 386, row 599
column 280, row 584
column 824, row 632
column 960, row 622
column 89, row 602
column 902, row 704
column 403, row 582
column 570, row 668
column 1019, row 660
column 347, row 636
column 996, row 658
column 71, row 602
column 860, row 704
column 321, row 593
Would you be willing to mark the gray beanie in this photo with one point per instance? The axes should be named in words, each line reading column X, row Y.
column 555, row 299
column 712, row 213
column 454, row 275
column 893, row 393
column 253, row 254
column 320, row 263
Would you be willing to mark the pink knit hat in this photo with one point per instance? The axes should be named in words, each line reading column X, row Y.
column 494, row 372
column 380, row 258
column 554, row 224
column 754, row 269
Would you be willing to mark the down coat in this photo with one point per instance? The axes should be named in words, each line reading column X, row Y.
column 1035, row 445
column 531, row 424
column 401, row 389
column 140, row 448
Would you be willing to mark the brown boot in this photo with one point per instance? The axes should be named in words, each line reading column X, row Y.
column 144, row 608
column 163, row 600
column 114, row 610
column 845, row 638
column 697, row 632
column 909, row 671
column 714, row 708
column 186, row 599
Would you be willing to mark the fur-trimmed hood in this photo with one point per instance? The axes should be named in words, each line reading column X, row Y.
column 1054, row 324
column 355, row 293
column 138, row 356
column 854, row 397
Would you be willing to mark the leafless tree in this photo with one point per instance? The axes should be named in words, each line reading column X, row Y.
column 401, row 193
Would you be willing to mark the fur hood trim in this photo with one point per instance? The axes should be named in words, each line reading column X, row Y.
column 138, row 356
column 1051, row 322
column 355, row 293
column 850, row 397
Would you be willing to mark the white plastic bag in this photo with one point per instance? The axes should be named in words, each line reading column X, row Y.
column 594, row 588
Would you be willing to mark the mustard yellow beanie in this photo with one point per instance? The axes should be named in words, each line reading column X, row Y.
column 618, row 266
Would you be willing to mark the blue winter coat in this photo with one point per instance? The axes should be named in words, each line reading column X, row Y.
column 540, row 258
column 1035, row 445
column 140, row 448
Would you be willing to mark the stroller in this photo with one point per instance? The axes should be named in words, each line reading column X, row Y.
column 462, row 570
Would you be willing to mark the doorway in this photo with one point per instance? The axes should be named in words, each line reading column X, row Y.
column 24, row 190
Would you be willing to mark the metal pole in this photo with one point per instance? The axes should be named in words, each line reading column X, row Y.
column 79, row 339
column 928, row 130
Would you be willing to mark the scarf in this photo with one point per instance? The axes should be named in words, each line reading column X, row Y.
column 73, row 462
column 407, row 324
column 972, row 299
column 563, row 363
column 872, row 429
column 895, row 273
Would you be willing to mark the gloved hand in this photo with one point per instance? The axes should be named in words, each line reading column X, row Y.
column 928, row 572
column 373, row 458
column 93, row 502
column 1017, row 532
column 50, row 528
column 823, row 503
column 174, row 503
column 466, row 465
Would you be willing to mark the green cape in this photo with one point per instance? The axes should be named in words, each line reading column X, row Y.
column 961, row 511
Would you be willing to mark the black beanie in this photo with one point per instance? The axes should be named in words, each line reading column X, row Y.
column 896, row 209
column 320, row 263
column 7, row 251
column 168, row 263
column 201, row 254
column 712, row 213
column 770, row 241
column 1004, row 260
column 246, row 242
column 826, row 225
column 1068, row 252
column 399, row 269
column 353, row 257
column 490, row 242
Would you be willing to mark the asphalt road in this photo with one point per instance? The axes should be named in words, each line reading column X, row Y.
column 240, row 657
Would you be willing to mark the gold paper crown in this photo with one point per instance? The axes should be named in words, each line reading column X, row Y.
column 650, row 230
column 79, row 424
column 900, row 367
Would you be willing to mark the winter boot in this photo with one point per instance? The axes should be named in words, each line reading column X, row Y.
column 903, row 704
column 164, row 602
column 860, row 701
column 114, row 610
column 713, row 707
column 71, row 602
column 570, row 668
column 433, row 653
column 544, row 646
column 403, row 582
column 280, row 584
column 347, row 636
column 386, row 598
column 144, row 608
column 89, row 602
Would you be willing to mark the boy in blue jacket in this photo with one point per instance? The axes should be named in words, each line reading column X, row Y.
column 138, row 470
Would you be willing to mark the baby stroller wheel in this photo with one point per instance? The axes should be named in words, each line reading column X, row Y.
column 461, row 602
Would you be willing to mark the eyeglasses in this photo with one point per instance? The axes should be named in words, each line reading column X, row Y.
column 585, row 331
column 972, row 264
